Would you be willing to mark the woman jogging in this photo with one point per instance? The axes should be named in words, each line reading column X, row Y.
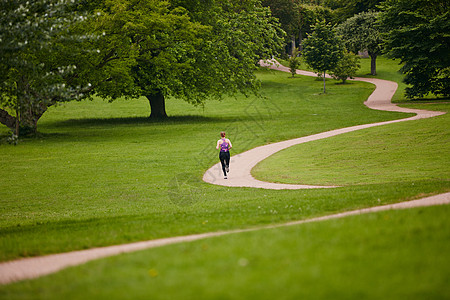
column 224, row 145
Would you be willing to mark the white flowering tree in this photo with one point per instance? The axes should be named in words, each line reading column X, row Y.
column 34, row 38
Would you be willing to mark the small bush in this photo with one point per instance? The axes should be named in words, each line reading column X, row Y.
column 346, row 68
column 294, row 62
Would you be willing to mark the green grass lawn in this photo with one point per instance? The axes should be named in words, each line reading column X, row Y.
column 102, row 174
column 389, row 255
column 388, row 69
column 399, row 152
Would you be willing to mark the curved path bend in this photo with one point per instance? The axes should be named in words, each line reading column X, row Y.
column 33, row 267
column 242, row 164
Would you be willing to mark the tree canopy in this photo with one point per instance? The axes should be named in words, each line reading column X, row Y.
column 417, row 32
column 33, row 34
column 361, row 33
column 129, row 48
column 344, row 9
column 155, row 43
column 323, row 49
column 298, row 17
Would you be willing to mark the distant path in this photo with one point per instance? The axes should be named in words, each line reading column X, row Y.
column 33, row 267
column 242, row 164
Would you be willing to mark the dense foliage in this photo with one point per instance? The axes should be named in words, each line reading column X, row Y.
column 34, row 41
column 53, row 51
column 346, row 67
column 360, row 33
column 297, row 19
column 417, row 32
column 323, row 49
column 344, row 9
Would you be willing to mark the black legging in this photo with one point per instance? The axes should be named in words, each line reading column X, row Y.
column 225, row 161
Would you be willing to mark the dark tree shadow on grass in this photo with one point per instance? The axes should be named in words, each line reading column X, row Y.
column 91, row 128
column 101, row 123
column 93, row 122
column 430, row 100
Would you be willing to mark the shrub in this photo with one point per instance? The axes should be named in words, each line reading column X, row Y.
column 347, row 67
column 294, row 62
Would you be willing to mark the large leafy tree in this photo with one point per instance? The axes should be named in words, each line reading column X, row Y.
column 323, row 49
column 129, row 48
column 189, row 49
column 156, row 45
column 417, row 32
column 361, row 33
column 193, row 51
column 33, row 34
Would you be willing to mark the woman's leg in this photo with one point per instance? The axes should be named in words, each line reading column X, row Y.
column 222, row 158
column 227, row 161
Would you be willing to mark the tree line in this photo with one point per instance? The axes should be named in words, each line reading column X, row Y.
column 52, row 51
column 413, row 31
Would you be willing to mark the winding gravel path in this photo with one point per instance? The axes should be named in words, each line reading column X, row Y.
column 242, row 164
column 33, row 267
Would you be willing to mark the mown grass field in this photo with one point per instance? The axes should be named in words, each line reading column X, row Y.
column 389, row 255
column 386, row 69
column 102, row 174
column 379, row 155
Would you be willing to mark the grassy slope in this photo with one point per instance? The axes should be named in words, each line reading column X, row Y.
column 386, row 69
column 396, row 153
column 102, row 174
column 379, row 155
column 118, row 191
column 389, row 255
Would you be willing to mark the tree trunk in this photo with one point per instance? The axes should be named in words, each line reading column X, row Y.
column 292, row 46
column 28, row 122
column 29, row 118
column 324, row 82
column 7, row 120
column 157, row 105
column 373, row 64
column 300, row 40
